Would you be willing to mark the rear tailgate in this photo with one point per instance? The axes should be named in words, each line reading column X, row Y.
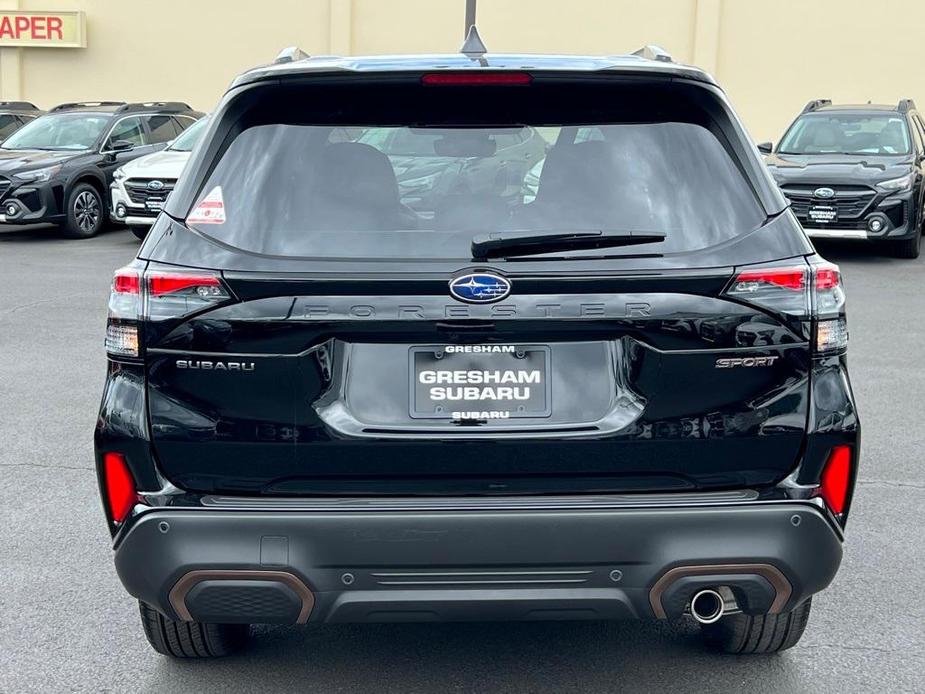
column 617, row 384
column 339, row 207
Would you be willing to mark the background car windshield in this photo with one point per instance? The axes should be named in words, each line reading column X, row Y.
column 59, row 131
column 403, row 193
column 190, row 137
column 847, row 134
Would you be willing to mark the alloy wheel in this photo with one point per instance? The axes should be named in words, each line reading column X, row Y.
column 87, row 211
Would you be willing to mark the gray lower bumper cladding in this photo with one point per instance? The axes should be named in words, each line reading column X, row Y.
column 226, row 566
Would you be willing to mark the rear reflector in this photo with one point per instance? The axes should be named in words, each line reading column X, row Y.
column 836, row 479
column 121, row 494
column 477, row 79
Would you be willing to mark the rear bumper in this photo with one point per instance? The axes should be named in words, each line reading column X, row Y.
column 287, row 566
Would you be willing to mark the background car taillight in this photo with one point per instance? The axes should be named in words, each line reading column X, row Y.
column 155, row 294
column 813, row 293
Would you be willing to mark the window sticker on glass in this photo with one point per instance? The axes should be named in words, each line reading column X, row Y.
column 210, row 211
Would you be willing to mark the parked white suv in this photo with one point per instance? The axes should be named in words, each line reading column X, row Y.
column 140, row 188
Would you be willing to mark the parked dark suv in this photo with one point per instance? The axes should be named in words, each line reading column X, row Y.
column 856, row 172
column 58, row 168
column 623, row 396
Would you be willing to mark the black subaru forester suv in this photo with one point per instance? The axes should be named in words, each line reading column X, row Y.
column 618, row 393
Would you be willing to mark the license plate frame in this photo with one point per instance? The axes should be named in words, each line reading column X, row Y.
column 822, row 214
column 455, row 359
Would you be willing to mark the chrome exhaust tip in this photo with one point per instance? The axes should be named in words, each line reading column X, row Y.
column 707, row 606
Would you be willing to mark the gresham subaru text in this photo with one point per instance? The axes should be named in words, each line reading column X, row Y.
column 602, row 376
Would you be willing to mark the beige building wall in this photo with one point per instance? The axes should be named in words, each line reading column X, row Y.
column 772, row 56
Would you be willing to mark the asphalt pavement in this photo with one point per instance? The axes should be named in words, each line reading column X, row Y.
column 66, row 624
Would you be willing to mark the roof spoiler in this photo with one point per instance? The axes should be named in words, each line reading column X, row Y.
column 84, row 104
column 653, row 52
column 164, row 106
column 290, row 55
column 19, row 106
column 906, row 105
column 816, row 104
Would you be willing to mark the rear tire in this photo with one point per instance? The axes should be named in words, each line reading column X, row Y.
column 744, row 634
column 910, row 248
column 86, row 214
column 140, row 232
column 191, row 639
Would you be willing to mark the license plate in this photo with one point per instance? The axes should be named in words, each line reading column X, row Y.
column 823, row 214
column 157, row 205
column 479, row 382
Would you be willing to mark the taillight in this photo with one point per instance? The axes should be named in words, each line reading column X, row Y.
column 124, row 311
column 476, row 79
column 814, row 293
column 161, row 283
column 829, row 309
column 175, row 294
column 121, row 494
column 835, row 482
column 779, row 289
column 157, row 294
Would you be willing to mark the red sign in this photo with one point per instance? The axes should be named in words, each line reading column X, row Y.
column 57, row 29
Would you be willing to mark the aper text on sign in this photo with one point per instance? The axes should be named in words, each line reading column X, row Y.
column 43, row 29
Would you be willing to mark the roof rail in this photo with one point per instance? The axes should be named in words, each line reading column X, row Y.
column 653, row 52
column 290, row 55
column 816, row 104
column 84, row 104
column 166, row 106
column 19, row 106
column 906, row 105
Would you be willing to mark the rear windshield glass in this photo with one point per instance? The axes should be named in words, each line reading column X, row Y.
column 401, row 192
column 847, row 134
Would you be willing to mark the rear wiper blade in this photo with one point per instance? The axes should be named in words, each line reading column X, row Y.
column 499, row 244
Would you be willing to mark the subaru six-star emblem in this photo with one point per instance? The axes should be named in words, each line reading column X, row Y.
column 480, row 287
column 824, row 193
column 155, row 185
